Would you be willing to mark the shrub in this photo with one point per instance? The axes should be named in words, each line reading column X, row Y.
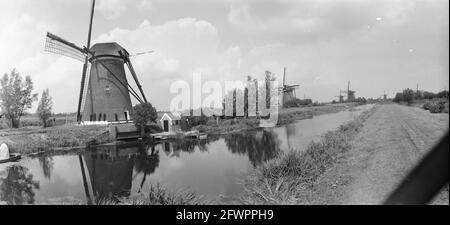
column 30, row 123
column 438, row 107
column 427, row 105
column 3, row 124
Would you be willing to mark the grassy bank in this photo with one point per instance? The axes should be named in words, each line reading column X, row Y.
column 160, row 195
column 36, row 139
column 228, row 125
column 289, row 178
column 285, row 116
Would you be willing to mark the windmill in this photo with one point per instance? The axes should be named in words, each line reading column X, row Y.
column 340, row 96
column 384, row 95
column 104, row 92
column 288, row 91
column 350, row 93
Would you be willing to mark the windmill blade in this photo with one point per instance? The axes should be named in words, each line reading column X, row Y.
column 59, row 46
column 84, row 88
column 141, row 53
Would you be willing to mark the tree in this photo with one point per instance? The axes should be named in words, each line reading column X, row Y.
column 15, row 96
column 44, row 109
column 428, row 95
column 408, row 95
column 398, row 97
column 143, row 114
column 442, row 94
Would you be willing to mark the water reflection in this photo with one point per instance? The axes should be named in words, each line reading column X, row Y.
column 259, row 145
column 18, row 186
column 46, row 163
column 109, row 171
column 147, row 163
column 211, row 167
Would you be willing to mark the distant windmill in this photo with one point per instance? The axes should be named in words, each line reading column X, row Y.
column 350, row 93
column 104, row 92
column 288, row 91
column 384, row 96
column 340, row 96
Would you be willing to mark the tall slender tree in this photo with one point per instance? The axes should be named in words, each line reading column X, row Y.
column 44, row 109
column 16, row 96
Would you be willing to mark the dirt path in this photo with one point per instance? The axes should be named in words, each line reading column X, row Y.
column 391, row 142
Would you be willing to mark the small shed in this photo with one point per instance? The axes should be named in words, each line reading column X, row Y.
column 170, row 122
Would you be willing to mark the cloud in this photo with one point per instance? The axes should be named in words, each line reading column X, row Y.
column 310, row 20
column 145, row 5
column 112, row 9
column 174, row 44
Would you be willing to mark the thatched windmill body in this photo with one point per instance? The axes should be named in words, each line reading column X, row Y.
column 287, row 91
column 105, row 91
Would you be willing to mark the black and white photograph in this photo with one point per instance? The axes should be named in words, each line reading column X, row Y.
column 245, row 103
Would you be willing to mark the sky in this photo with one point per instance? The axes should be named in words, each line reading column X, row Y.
column 380, row 46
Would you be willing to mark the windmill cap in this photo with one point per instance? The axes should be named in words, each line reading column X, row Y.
column 108, row 49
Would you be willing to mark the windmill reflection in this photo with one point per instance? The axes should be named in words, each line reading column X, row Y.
column 147, row 164
column 107, row 171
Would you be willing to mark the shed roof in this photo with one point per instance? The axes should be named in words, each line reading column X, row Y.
column 169, row 116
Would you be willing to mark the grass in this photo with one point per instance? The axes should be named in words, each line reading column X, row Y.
column 285, row 116
column 31, row 140
column 160, row 195
column 288, row 178
column 228, row 126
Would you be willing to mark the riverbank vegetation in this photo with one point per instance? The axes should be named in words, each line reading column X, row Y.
column 288, row 115
column 436, row 105
column 160, row 195
column 285, row 116
column 434, row 102
column 36, row 139
column 290, row 177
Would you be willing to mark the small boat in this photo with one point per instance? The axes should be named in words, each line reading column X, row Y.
column 13, row 157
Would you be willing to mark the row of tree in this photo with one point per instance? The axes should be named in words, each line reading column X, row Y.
column 408, row 95
column 16, row 97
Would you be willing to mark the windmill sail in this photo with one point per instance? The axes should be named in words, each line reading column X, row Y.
column 85, row 88
column 57, row 45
